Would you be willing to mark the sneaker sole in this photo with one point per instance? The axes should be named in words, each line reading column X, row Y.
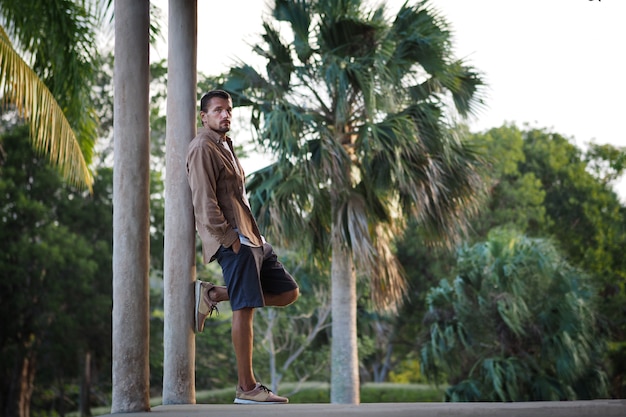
column 241, row 401
column 198, row 294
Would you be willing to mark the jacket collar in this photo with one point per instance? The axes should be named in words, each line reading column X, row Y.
column 213, row 135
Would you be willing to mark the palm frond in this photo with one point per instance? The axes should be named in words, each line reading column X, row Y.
column 285, row 186
column 50, row 131
column 279, row 63
column 297, row 13
column 464, row 84
column 422, row 38
column 241, row 80
column 369, row 232
column 58, row 43
column 388, row 280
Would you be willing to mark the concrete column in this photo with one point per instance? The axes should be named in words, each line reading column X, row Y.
column 131, row 222
column 179, row 253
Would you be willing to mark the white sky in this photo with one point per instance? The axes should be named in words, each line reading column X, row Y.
column 555, row 64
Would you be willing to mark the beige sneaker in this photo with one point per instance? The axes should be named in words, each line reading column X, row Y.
column 204, row 306
column 258, row 395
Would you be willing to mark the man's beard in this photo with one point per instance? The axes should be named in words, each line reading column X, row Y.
column 224, row 128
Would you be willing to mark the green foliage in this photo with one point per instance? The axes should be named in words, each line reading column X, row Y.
column 408, row 371
column 587, row 219
column 605, row 162
column 617, row 371
column 385, row 392
column 545, row 186
column 424, row 265
column 56, row 268
column 517, row 323
column 516, row 199
column 319, row 392
column 59, row 39
column 52, row 255
column 374, row 393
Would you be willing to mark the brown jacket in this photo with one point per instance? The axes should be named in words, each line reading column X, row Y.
column 217, row 187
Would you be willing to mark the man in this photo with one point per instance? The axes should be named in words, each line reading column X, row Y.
column 229, row 233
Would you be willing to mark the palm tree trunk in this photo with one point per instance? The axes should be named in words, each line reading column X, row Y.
column 344, row 380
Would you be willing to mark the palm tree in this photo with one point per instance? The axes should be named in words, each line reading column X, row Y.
column 356, row 110
column 517, row 323
column 47, row 62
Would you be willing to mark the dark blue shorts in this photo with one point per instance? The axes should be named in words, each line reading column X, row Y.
column 251, row 273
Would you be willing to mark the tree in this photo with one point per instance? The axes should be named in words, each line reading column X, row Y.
column 47, row 60
column 586, row 216
column 543, row 185
column 48, row 272
column 355, row 108
column 579, row 189
column 517, row 323
column 52, row 91
column 516, row 199
column 606, row 162
column 588, row 221
column 79, row 303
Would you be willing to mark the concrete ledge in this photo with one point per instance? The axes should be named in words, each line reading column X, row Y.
column 600, row 408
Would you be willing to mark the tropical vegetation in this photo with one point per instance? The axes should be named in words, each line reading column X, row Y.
column 48, row 61
column 56, row 238
column 517, row 323
column 355, row 111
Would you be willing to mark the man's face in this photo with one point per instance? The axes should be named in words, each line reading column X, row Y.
column 218, row 115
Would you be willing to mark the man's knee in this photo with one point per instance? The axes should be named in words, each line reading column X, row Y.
column 291, row 296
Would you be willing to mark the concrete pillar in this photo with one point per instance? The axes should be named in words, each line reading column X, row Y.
column 179, row 253
column 131, row 222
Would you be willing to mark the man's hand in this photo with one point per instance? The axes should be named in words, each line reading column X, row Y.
column 236, row 246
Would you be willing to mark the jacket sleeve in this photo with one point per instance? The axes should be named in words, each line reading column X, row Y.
column 202, row 171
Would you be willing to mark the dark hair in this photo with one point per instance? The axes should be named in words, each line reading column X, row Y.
column 204, row 101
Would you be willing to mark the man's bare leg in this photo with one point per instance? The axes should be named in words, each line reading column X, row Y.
column 219, row 293
column 281, row 300
column 243, row 338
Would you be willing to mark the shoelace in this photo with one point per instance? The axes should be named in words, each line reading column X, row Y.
column 264, row 388
column 213, row 308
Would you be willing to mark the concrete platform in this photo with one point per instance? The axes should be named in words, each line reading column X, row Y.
column 600, row 408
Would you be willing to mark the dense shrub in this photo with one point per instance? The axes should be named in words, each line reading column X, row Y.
column 317, row 392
